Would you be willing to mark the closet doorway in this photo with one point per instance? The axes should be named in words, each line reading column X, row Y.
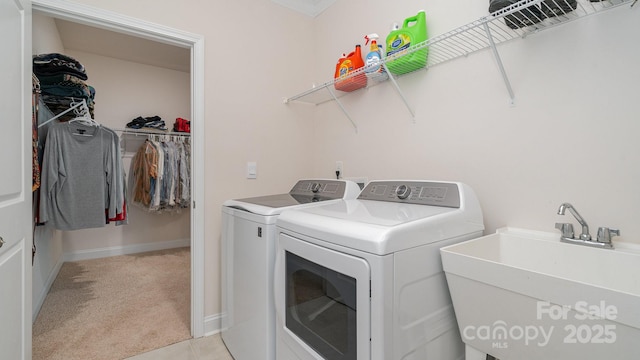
column 119, row 24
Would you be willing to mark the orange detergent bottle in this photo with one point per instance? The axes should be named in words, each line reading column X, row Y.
column 344, row 80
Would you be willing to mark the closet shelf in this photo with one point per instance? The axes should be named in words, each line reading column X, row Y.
column 150, row 132
column 487, row 32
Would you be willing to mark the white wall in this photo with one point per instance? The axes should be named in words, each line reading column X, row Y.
column 571, row 135
column 46, row 38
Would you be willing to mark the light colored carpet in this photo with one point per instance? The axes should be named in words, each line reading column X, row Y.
column 114, row 308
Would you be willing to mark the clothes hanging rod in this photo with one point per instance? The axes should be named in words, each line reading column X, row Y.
column 150, row 132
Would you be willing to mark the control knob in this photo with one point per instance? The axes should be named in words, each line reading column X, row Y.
column 315, row 187
column 403, row 192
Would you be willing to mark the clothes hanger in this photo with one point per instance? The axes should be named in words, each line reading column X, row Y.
column 83, row 117
column 73, row 107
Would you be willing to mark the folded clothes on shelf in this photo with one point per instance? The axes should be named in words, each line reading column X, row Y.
column 154, row 122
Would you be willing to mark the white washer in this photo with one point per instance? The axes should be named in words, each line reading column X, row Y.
column 362, row 279
column 248, row 251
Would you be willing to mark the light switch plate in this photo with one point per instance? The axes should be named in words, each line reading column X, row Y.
column 252, row 170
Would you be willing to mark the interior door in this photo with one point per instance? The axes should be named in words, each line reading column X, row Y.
column 15, row 180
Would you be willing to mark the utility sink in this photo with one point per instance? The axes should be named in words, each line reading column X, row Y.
column 521, row 294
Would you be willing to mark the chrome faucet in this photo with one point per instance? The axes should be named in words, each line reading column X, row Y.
column 585, row 228
column 604, row 234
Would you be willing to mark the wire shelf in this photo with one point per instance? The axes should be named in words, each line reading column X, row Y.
column 515, row 21
column 149, row 131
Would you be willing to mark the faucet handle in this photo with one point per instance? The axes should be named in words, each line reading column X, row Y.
column 605, row 234
column 566, row 229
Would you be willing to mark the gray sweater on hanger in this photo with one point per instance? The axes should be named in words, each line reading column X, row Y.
column 78, row 177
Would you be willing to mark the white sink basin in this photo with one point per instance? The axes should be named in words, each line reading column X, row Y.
column 521, row 294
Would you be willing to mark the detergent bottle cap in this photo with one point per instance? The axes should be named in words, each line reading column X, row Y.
column 395, row 26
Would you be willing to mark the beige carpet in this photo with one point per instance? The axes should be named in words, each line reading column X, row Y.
column 114, row 308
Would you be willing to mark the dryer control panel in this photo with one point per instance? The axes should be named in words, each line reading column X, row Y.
column 431, row 193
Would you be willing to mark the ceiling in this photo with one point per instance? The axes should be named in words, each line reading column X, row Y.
column 108, row 43
column 309, row 7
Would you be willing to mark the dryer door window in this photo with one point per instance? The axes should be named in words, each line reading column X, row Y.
column 321, row 308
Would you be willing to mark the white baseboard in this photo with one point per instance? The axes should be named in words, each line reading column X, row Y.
column 212, row 324
column 125, row 250
column 38, row 300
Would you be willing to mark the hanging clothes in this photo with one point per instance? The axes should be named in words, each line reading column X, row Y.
column 160, row 174
column 82, row 183
column 35, row 97
column 35, row 184
column 43, row 115
column 144, row 174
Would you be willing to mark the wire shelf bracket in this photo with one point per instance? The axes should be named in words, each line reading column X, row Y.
column 496, row 55
column 400, row 93
column 346, row 113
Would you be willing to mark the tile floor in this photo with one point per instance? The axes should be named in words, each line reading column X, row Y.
column 204, row 348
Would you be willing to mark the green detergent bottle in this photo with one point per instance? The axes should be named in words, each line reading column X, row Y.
column 412, row 33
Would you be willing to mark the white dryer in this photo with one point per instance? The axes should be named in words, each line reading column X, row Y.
column 248, row 252
column 362, row 279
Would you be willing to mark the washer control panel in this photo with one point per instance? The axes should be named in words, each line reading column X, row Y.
column 326, row 188
column 413, row 192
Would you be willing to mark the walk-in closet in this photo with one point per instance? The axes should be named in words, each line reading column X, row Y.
column 133, row 78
